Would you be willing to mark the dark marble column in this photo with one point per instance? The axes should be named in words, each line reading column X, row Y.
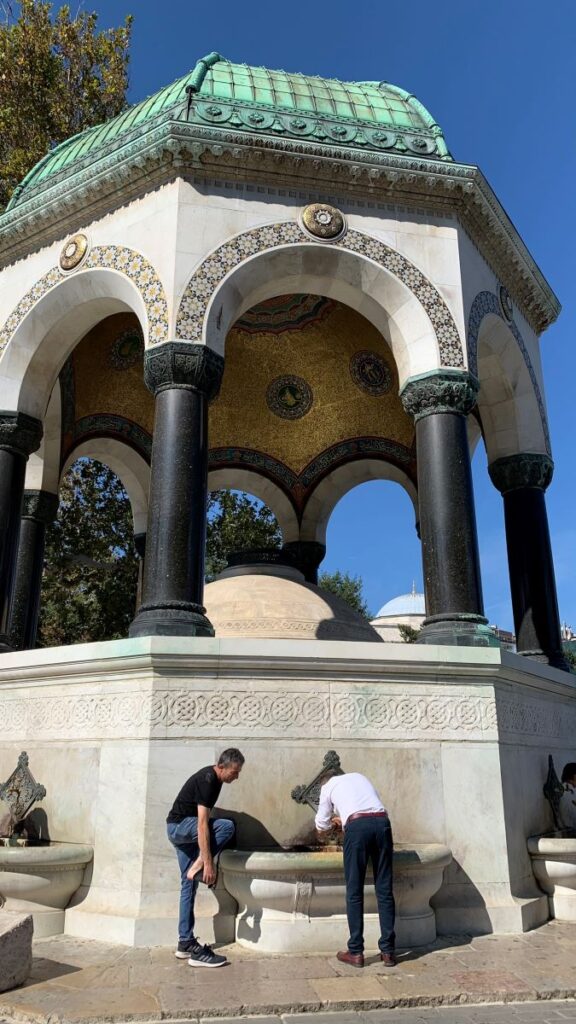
column 439, row 403
column 140, row 545
column 20, row 435
column 39, row 509
column 306, row 555
column 522, row 480
column 183, row 377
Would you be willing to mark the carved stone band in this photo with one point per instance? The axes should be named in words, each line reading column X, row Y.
column 40, row 505
column 20, row 433
column 182, row 364
column 525, row 469
column 438, row 392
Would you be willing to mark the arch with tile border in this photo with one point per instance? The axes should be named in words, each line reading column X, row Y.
column 359, row 270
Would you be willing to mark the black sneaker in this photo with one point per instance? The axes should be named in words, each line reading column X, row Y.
column 204, row 956
column 182, row 951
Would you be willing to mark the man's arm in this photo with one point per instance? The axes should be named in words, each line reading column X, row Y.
column 209, row 873
column 323, row 819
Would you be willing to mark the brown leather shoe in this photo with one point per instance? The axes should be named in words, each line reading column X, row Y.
column 388, row 959
column 354, row 959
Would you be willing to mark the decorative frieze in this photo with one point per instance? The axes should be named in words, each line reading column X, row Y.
column 181, row 365
column 439, row 393
column 514, row 472
column 355, row 713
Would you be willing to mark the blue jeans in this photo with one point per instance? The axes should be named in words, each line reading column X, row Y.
column 369, row 839
column 184, row 837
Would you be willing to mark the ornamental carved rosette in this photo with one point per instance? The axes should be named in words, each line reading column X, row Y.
column 514, row 472
column 20, row 433
column 182, row 364
column 42, row 506
column 439, row 392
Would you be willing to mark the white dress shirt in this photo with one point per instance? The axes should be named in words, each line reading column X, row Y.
column 344, row 795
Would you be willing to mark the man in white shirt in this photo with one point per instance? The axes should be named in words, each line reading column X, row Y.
column 350, row 801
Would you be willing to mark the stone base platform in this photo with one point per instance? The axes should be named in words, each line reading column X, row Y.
column 74, row 981
column 455, row 739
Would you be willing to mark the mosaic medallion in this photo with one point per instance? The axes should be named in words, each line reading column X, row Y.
column 127, row 349
column 506, row 304
column 323, row 221
column 289, row 397
column 284, row 313
column 371, row 373
column 73, row 252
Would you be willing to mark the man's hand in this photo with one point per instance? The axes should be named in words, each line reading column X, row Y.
column 336, row 822
column 209, row 874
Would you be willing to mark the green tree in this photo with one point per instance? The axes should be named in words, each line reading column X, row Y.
column 409, row 634
column 58, row 76
column 237, row 522
column 349, row 588
column 90, row 566
column 570, row 656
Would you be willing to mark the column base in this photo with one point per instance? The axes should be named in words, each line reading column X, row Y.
column 458, row 631
column 161, row 620
column 555, row 659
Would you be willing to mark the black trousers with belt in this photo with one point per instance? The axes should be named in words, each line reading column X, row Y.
column 369, row 839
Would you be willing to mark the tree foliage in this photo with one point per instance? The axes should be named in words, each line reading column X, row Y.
column 349, row 588
column 570, row 656
column 58, row 76
column 408, row 633
column 237, row 522
column 90, row 566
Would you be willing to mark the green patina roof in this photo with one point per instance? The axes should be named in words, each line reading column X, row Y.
column 362, row 115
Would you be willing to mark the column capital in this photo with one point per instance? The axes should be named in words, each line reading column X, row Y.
column 19, row 433
column 525, row 469
column 40, row 505
column 184, row 365
column 439, row 391
column 306, row 555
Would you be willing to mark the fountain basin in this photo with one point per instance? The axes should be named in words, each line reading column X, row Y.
column 295, row 901
column 41, row 880
column 553, row 856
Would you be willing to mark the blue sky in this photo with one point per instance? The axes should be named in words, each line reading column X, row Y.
column 499, row 79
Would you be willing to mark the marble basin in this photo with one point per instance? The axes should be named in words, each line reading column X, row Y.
column 41, row 880
column 553, row 858
column 294, row 901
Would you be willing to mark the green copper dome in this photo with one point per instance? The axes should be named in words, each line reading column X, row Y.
column 366, row 116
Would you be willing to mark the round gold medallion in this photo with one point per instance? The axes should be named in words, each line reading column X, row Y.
column 73, row 252
column 323, row 221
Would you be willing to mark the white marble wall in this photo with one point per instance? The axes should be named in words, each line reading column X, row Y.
column 456, row 741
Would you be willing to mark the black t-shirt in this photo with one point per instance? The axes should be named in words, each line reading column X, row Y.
column 202, row 788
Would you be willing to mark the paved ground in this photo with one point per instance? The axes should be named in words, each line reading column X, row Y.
column 80, row 982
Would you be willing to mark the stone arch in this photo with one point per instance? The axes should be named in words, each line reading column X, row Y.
column 43, row 466
column 58, row 310
column 130, row 468
column 359, row 270
column 338, row 482
column 510, row 402
column 234, row 478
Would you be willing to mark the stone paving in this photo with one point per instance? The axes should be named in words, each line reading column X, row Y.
column 77, row 981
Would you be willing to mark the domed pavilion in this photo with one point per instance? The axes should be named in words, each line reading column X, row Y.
column 286, row 285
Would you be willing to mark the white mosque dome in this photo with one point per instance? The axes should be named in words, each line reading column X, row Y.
column 406, row 604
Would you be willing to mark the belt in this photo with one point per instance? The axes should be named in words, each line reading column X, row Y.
column 367, row 814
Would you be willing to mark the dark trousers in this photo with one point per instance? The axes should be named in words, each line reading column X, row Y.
column 369, row 839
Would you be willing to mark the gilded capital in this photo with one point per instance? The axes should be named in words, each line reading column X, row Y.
column 183, row 364
column 525, row 469
column 20, row 433
column 439, row 392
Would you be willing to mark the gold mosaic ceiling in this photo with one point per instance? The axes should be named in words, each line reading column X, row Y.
column 302, row 374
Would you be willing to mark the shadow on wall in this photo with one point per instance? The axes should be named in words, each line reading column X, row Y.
column 251, row 834
column 457, row 896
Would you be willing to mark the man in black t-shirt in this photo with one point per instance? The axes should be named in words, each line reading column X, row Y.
column 198, row 839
